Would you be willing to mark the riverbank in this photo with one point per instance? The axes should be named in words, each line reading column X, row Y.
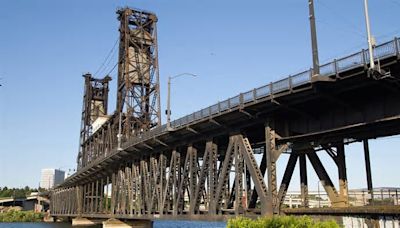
column 21, row 216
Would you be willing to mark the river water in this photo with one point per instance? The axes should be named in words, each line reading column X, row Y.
column 157, row 224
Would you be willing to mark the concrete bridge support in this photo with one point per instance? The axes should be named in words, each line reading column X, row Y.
column 86, row 222
column 115, row 223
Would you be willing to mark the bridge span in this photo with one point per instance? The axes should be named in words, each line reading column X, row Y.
column 221, row 161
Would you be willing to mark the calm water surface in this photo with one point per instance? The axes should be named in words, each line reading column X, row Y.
column 157, row 224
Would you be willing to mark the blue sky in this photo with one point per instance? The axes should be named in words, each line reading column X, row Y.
column 45, row 47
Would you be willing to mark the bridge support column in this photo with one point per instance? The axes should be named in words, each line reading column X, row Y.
column 115, row 223
column 368, row 168
column 272, row 152
column 303, row 180
column 341, row 164
column 85, row 222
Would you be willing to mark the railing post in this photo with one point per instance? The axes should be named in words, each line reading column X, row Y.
column 241, row 100
column 396, row 44
column 254, row 94
column 290, row 83
column 271, row 89
column 311, row 73
column 219, row 107
column 397, row 198
column 364, row 59
column 336, row 68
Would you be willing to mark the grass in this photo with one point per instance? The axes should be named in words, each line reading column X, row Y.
column 20, row 216
column 280, row 222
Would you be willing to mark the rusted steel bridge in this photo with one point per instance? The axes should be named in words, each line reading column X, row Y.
column 221, row 161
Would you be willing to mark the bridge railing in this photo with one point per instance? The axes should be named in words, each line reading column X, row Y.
column 337, row 66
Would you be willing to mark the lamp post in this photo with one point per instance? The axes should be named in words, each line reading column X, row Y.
column 314, row 44
column 169, row 96
column 371, row 42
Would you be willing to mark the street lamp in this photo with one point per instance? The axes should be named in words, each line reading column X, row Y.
column 169, row 97
column 371, row 41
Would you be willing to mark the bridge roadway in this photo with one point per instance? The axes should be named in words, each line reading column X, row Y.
column 205, row 167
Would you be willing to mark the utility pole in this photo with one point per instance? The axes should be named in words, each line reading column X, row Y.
column 371, row 43
column 314, row 43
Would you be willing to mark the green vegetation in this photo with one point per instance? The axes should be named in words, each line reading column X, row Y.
column 280, row 222
column 16, row 192
column 20, row 216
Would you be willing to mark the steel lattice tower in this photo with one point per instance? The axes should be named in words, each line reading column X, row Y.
column 138, row 99
column 95, row 102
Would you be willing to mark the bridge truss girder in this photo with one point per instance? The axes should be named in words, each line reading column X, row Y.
column 174, row 183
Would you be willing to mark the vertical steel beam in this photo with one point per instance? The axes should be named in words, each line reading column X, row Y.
column 271, row 163
column 213, row 178
column 341, row 163
column 238, row 179
column 303, row 180
column 368, row 168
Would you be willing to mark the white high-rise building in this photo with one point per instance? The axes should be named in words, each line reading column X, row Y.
column 51, row 178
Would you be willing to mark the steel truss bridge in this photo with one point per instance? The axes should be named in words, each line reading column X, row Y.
column 205, row 166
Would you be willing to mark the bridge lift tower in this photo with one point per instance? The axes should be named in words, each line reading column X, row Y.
column 138, row 98
column 95, row 102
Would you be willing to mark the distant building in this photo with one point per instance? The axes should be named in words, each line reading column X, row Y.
column 51, row 178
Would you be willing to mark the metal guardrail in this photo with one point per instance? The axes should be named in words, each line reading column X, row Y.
column 337, row 66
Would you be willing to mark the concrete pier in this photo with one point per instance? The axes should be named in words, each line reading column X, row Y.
column 86, row 222
column 115, row 223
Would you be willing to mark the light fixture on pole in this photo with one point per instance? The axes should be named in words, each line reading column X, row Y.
column 371, row 40
column 168, row 111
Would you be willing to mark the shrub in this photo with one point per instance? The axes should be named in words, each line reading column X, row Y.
column 20, row 216
column 280, row 222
